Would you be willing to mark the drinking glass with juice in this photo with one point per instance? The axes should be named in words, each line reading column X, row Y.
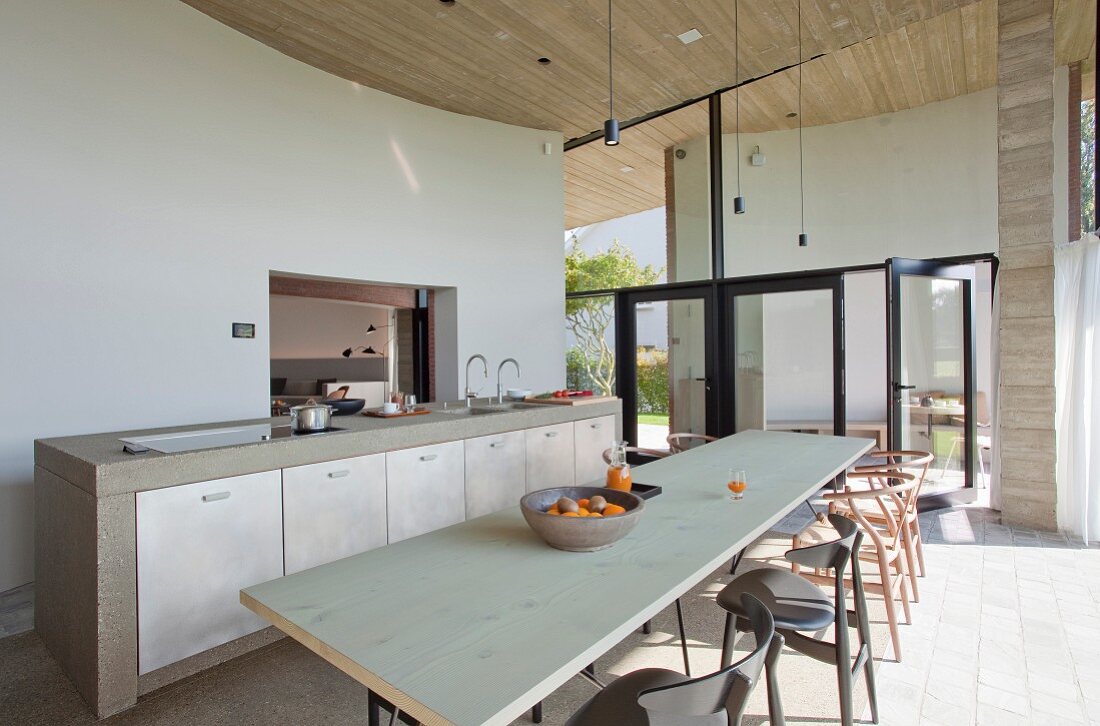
column 737, row 484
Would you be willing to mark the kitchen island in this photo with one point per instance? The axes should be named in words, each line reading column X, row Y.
column 139, row 558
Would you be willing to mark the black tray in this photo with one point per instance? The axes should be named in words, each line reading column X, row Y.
column 645, row 491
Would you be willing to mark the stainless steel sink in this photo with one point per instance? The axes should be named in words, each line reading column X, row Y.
column 512, row 406
column 462, row 411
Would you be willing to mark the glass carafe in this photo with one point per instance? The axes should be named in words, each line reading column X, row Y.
column 618, row 471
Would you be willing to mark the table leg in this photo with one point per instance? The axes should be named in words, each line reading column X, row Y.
column 737, row 561
column 374, row 710
column 536, row 712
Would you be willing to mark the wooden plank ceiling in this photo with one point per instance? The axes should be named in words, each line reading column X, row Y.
column 480, row 58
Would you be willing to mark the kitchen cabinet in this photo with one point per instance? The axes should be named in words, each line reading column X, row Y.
column 592, row 437
column 550, row 456
column 425, row 489
column 333, row 510
column 197, row 546
column 496, row 473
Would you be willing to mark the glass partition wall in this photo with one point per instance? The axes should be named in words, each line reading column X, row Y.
column 794, row 337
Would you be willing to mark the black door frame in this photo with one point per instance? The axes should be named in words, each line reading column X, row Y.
column 731, row 289
column 626, row 346
column 895, row 268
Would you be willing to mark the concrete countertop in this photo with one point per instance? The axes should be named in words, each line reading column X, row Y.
column 97, row 464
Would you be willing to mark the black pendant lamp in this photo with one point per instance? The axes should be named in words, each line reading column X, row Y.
column 803, row 238
column 611, row 125
column 738, row 201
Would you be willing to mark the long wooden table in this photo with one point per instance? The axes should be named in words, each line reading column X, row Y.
column 475, row 623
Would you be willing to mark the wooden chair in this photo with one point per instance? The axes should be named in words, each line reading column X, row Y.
column 884, row 547
column 656, row 696
column 916, row 463
column 797, row 605
column 643, row 453
column 678, row 443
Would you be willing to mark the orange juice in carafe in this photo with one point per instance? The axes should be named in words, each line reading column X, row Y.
column 618, row 471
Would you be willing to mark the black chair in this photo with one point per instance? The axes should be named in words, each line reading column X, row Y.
column 799, row 605
column 660, row 697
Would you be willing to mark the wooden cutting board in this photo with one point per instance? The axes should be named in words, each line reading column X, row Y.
column 578, row 401
column 378, row 414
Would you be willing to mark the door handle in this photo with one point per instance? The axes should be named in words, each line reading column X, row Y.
column 902, row 387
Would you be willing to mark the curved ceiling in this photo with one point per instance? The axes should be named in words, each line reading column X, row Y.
column 481, row 58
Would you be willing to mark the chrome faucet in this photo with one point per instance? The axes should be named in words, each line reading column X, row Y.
column 500, row 388
column 470, row 393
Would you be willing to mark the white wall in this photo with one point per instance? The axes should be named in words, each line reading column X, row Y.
column 155, row 165
column 305, row 327
column 916, row 183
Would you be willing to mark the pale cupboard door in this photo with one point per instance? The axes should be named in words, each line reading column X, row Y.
column 425, row 489
column 197, row 546
column 333, row 510
column 550, row 457
column 593, row 437
column 496, row 473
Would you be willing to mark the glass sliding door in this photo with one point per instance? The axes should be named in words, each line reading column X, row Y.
column 931, row 372
column 785, row 356
column 664, row 368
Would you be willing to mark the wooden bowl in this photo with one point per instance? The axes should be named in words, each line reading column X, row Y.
column 581, row 534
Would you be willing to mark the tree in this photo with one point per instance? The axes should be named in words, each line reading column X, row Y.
column 590, row 317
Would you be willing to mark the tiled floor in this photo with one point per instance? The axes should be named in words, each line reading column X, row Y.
column 1007, row 630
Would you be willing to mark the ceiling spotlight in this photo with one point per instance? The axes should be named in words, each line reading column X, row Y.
column 611, row 125
column 544, row 60
column 448, row 3
column 689, row 36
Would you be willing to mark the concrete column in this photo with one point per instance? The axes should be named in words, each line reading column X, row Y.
column 1026, row 209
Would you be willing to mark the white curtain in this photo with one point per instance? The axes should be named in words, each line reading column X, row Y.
column 1077, row 351
column 995, row 402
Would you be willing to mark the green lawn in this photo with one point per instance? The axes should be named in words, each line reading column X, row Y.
column 657, row 419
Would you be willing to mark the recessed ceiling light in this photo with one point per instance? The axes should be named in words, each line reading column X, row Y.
column 689, row 36
column 626, row 169
column 792, row 114
column 447, row 2
column 544, row 60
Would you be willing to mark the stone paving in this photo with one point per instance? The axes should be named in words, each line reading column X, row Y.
column 1007, row 630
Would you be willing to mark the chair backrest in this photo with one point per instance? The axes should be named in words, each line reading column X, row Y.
column 902, row 495
column 682, row 442
column 914, row 462
column 720, row 697
column 642, row 452
column 836, row 555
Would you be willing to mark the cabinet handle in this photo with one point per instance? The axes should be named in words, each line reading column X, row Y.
column 215, row 497
column 496, row 444
column 596, row 425
column 429, row 457
column 338, row 474
column 551, row 434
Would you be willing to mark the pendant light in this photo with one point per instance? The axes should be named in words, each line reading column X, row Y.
column 803, row 238
column 611, row 125
column 738, row 201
